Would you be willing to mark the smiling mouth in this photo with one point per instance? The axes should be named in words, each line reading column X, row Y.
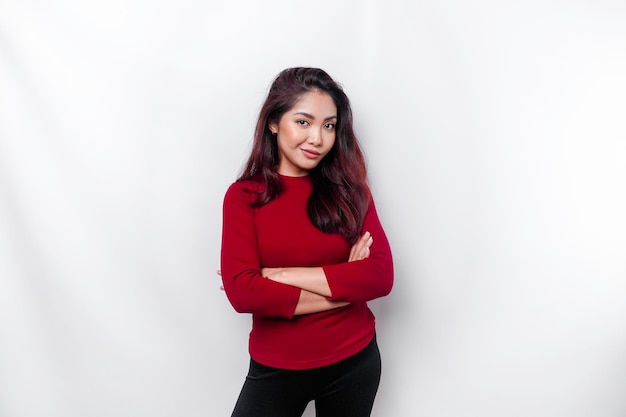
column 310, row 153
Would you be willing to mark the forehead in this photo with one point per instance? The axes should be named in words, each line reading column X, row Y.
column 317, row 103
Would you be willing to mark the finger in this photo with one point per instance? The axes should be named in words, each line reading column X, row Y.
column 357, row 251
column 363, row 241
column 363, row 244
column 219, row 272
column 353, row 252
column 364, row 252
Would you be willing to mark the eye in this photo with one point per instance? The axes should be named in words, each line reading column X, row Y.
column 302, row 122
column 329, row 126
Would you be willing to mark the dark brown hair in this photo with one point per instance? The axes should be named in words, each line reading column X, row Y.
column 340, row 194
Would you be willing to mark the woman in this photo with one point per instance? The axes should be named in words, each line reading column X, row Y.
column 303, row 251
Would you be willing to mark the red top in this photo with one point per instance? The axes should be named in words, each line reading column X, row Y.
column 280, row 234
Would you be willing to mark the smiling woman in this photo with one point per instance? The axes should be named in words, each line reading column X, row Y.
column 303, row 251
column 304, row 134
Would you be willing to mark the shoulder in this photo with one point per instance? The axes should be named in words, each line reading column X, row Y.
column 244, row 191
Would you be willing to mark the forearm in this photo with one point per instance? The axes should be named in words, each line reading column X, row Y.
column 311, row 279
column 366, row 278
column 249, row 292
column 310, row 302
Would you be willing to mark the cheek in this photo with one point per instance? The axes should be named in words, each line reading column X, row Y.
column 286, row 138
column 331, row 141
column 291, row 135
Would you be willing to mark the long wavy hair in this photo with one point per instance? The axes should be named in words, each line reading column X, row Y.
column 340, row 194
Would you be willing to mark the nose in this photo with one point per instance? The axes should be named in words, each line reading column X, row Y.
column 315, row 138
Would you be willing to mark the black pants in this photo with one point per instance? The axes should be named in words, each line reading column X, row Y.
column 345, row 389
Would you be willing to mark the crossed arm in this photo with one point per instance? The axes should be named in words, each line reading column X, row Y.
column 314, row 289
column 312, row 280
column 366, row 274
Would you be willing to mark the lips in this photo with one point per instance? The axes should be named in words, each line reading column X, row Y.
column 310, row 153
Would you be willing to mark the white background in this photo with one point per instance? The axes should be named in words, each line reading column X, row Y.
column 495, row 136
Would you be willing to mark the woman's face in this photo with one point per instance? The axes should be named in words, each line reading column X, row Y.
column 305, row 133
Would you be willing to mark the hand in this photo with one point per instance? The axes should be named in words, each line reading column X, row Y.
column 219, row 272
column 361, row 249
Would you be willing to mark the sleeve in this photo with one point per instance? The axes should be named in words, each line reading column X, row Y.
column 247, row 290
column 367, row 279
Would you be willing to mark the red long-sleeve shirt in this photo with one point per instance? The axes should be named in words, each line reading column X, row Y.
column 280, row 234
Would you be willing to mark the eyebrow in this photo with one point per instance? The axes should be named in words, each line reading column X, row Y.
column 310, row 116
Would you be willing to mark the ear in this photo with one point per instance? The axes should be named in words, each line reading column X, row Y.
column 273, row 127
